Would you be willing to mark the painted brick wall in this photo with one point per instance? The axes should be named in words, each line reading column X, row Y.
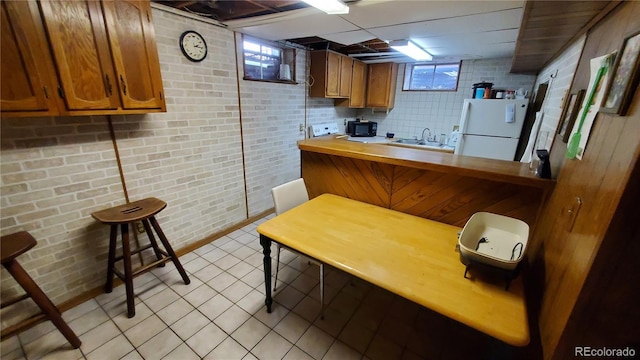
column 57, row 171
column 271, row 117
column 563, row 69
column 440, row 111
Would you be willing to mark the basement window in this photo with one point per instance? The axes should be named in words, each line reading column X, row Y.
column 431, row 77
column 264, row 61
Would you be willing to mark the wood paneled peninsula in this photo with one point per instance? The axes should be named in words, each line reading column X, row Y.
column 431, row 184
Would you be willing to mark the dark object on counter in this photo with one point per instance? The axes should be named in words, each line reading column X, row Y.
column 362, row 128
column 544, row 168
column 12, row 246
column 481, row 85
column 508, row 275
column 390, row 135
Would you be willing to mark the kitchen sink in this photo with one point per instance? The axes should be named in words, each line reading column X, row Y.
column 418, row 142
column 410, row 141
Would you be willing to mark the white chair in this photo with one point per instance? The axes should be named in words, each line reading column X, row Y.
column 285, row 197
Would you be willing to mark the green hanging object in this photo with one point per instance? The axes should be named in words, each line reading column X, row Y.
column 574, row 143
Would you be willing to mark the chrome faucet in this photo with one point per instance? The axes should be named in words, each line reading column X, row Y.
column 428, row 137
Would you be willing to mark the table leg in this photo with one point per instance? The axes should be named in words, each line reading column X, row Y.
column 266, row 250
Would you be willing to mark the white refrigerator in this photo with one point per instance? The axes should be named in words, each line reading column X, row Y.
column 490, row 128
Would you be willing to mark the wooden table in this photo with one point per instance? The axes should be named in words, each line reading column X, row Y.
column 405, row 254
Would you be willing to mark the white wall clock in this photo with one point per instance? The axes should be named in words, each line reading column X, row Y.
column 193, row 46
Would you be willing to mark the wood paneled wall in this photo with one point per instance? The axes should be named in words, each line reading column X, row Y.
column 443, row 197
column 571, row 239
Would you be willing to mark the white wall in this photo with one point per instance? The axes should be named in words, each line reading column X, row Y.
column 440, row 111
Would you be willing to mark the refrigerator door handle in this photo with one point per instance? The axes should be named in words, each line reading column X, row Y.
column 460, row 144
column 463, row 119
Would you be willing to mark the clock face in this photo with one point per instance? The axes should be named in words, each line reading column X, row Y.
column 193, row 46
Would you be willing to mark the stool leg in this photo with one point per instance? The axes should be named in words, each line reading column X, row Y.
column 113, row 238
column 152, row 240
column 170, row 251
column 128, row 274
column 41, row 299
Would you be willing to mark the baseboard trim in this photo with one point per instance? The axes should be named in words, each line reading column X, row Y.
column 90, row 294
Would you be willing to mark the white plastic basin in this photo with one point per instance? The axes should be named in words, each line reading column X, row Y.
column 504, row 244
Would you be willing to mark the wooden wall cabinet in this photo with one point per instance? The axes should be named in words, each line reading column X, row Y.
column 381, row 85
column 331, row 73
column 27, row 74
column 358, row 87
column 104, row 54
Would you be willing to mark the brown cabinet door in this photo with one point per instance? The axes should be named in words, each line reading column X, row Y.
column 346, row 63
column 81, row 50
column 381, row 85
column 333, row 74
column 358, row 84
column 134, row 52
column 27, row 74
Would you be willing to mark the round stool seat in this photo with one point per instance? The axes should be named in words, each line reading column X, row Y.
column 130, row 212
column 14, row 245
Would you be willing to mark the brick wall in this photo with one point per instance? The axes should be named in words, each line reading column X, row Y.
column 563, row 69
column 57, row 171
column 440, row 111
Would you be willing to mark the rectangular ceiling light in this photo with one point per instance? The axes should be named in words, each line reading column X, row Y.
column 410, row 49
column 329, row 6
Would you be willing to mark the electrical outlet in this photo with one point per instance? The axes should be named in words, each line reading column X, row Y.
column 301, row 127
column 139, row 227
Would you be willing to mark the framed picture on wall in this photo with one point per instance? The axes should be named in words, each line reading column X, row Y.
column 625, row 77
column 569, row 114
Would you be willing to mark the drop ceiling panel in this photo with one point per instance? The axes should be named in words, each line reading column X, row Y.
column 470, row 24
column 481, row 45
column 349, row 37
column 310, row 25
column 377, row 13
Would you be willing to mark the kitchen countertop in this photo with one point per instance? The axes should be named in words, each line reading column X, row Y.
column 498, row 170
column 395, row 142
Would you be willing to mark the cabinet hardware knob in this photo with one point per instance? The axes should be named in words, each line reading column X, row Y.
column 124, row 85
column 107, row 84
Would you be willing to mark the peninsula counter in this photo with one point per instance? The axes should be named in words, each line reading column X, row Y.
column 434, row 185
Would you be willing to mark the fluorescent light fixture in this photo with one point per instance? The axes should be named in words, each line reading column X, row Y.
column 410, row 49
column 329, row 6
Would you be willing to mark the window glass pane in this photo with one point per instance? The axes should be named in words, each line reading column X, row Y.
column 249, row 46
column 446, row 77
column 261, row 62
column 422, row 77
column 429, row 77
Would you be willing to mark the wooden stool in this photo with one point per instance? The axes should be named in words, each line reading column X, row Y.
column 11, row 247
column 143, row 211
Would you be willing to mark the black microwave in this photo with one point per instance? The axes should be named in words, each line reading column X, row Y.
column 362, row 128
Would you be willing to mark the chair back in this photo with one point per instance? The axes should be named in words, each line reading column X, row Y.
column 289, row 195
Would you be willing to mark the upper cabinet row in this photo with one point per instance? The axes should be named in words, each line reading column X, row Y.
column 71, row 57
column 351, row 82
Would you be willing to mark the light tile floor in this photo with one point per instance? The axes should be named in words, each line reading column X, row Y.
column 221, row 315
